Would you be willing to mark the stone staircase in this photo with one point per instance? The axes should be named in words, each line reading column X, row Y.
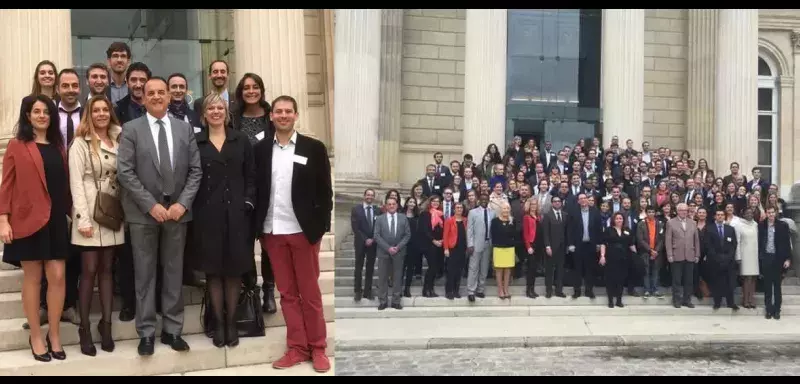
column 253, row 356
column 440, row 315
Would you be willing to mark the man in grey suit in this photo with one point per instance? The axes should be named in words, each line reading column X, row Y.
column 392, row 234
column 158, row 167
column 554, row 231
column 479, row 246
column 683, row 252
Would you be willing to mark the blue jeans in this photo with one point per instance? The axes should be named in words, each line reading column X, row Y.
column 651, row 268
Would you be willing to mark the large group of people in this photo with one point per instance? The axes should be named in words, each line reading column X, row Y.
column 583, row 215
column 135, row 187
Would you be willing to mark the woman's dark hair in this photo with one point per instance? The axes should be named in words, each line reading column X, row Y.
column 238, row 96
column 415, row 211
column 614, row 219
column 24, row 128
column 389, row 193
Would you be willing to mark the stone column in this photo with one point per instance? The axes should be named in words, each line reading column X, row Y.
column 622, row 75
column 356, row 114
column 271, row 44
column 485, row 80
column 29, row 36
column 736, row 114
column 391, row 73
column 702, row 76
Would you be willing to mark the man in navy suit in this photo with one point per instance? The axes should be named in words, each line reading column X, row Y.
column 774, row 256
column 362, row 222
column 431, row 184
column 584, row 235
column 720, row 244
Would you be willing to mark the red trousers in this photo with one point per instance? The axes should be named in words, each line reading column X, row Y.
column 295, row 263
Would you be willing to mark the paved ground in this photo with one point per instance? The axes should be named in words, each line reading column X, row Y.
column 781, row 360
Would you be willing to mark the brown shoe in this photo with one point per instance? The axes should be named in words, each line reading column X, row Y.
column 320, row 362
column 290, row 359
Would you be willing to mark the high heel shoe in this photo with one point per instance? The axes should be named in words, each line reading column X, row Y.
column 45, row 357
column 106, row 337
column 232, row 335
column 219, row 335
column 58, row 355
column 85, row 341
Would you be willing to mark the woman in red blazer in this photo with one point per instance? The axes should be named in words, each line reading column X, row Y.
column 455, row 250
column 530, row 226
column 34, row 207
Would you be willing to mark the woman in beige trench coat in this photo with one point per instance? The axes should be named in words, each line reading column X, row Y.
column 97, row 136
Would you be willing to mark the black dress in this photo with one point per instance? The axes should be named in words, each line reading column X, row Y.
column 221, row 222
column 413, row 253
column 458, row 256
column 433, row 254
column 618, row 256
column 52, row 241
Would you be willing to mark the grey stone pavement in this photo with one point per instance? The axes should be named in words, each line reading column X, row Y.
column 758, row 360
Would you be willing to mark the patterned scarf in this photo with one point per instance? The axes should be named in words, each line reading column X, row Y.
column 178, row 109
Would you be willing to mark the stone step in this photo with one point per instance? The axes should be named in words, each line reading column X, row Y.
column 11, row 303
column 305, row 369
column 491, row 290
column 11, row 279
column 125, row 361
column 543, row 311
column 13, row 337
column 522, row 300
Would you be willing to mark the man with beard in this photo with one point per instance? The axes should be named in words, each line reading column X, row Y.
column 178, row 107
column 97, row 80
column 131, row 106
column 218, row 74
column 118, row 55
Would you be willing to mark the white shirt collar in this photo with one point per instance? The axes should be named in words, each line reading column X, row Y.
column 61, row 106
column 152, row 119
column 292, row 140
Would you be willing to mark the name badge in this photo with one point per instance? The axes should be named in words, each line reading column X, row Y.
column 436, row 187
column 626, row 232
column 260, row 136
column 729, row 239
column 197, row 129
column 300, row 159
column 661, row 232
column 443, row 174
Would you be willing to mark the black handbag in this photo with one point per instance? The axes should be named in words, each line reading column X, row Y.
column 248, row 317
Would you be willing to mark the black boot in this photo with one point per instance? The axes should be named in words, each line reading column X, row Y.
column 269, row 298
column 407, row 291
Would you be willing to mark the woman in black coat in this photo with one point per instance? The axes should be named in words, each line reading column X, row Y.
column 221, row 209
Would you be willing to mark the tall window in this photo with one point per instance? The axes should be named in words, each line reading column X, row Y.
column 768, row 105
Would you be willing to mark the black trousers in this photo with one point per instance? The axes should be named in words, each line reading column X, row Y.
column 725, row 280
column 682, row 280
column 532, row 262
column 585, row 266
column 412, row 262
column 456, row 261
column 435, row 257
column 772, row 271
column 363, row 252
column 72, row 276
column 616, row 272
column 522, row 255
column 125, row 275
column 554, row 271
column 250, row 279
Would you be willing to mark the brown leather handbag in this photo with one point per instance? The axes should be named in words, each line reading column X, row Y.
column 107, row 206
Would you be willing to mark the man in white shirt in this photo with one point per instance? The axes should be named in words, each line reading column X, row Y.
column 392, row 234
column 293, row 212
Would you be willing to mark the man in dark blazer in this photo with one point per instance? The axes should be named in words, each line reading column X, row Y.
column 293, row 210
column 362, row 222
column 159, row 183
column 774, row 256
column 554, row 230
column 584, row 235
column 720, row 245
column 131, row 106
column 218, row 75
column 431, row 184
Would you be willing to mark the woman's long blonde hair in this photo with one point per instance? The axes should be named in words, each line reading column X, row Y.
column 529, row 203
column 86, row 127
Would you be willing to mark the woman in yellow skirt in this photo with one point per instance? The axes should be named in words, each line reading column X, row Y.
column 504, row 241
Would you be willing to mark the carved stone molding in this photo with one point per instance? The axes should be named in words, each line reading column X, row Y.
column 796, row 40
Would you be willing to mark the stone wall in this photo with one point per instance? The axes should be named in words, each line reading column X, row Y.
column 315, row 73
column 433, row 88
column 665, row 77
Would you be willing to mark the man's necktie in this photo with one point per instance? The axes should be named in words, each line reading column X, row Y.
column 70, row 124
column 558, row 217
column 165, row 166
column 721, row 236
column 369, row 216
column 486, row 222
column 391, row 224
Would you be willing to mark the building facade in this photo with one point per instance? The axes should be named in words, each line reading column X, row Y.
column 291, row 49
column 719, row 83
